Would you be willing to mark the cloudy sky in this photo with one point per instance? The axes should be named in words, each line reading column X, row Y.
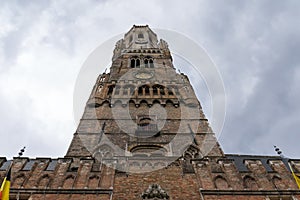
column 255, row 45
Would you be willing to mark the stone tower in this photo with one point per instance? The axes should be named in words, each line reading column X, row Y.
column 143, row 108
column 143, row 135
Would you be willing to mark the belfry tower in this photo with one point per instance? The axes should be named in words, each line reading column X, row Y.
column 143, row 135
column 143, row 107
column 143, row 116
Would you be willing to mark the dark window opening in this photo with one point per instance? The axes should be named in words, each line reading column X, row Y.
column 146, row 63
column 131, row 90
column 162, row 91
column 151, row 63
column 132, row 63
column 140, row 91
column 117, row 90
column 110, row 90
column 158, row 89
column 147, row 91
column 140, row 35
column 128, row 90
column 138, row 63
column 135, row 63
column 155, row 91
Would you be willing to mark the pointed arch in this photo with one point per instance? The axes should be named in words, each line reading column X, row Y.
column 143, row 102
column 93, row 182
column 110, row 90
column 147, row 90
column 69, row 181
column 169, row 102
column 158, row 89
column 128, row 90
column 156, row 101
column 250, row 183
column 18, row 182
column 44, row 181
column 105, row 103
column 221, row 183
column 132, row 63
column 117, row 90
column 278, row 182
column 147, row 164
column 134, row 164
column 148, row 150
column 117, row 103
column 103, row 151
column 131, row 102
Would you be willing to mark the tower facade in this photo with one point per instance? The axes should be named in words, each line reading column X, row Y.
column 143, row 135
column 143, row 107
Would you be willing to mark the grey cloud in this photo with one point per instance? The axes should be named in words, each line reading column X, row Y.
column 255, row 44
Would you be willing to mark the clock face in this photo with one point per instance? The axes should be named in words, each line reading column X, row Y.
column 143, row 75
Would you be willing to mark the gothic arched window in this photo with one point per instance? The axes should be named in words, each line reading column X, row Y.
column 69, row 181
column 117, row 90
column 250, row 183
column 132, row 63
column 221, row 183
column 137, row 63
column 151, row 63
column 170, row 91
column 140, row 91
column 110, row 90
column 147, row 90
column 148, row 62
column 44, row 181
column 158, row 90
column 93, row 182
column 128, row 90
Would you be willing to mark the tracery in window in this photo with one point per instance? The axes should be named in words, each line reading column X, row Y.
column 147, row 62
column 128, row 90
column 117, row 90
column 158, row 90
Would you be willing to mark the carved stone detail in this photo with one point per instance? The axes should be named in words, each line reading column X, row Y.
column 154, row 191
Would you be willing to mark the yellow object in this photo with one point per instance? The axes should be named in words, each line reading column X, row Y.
column 4, row 191
column 296, row 177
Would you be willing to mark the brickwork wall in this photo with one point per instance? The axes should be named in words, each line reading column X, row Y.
column 171, row 179
column 217, row 179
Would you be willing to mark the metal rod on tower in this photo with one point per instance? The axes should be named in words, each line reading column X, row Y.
column 296, row 177
column 21, row 152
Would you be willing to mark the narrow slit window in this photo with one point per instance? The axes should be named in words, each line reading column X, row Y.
column 132, row 63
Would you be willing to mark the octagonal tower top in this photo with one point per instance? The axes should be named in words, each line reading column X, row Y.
column 139, row 38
